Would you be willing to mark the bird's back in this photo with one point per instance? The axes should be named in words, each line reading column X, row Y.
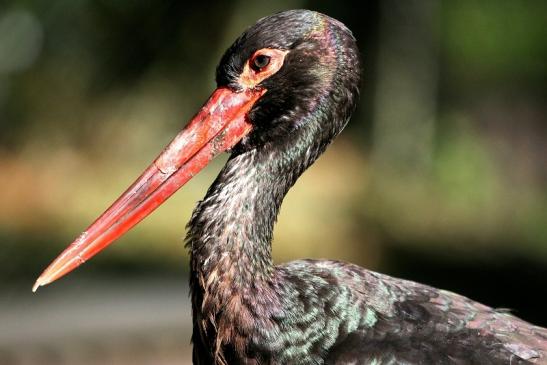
column 338, row 313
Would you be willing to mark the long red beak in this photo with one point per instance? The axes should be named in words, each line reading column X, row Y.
column 219, row 125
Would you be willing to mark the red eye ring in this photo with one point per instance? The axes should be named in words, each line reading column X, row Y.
column 262, row 64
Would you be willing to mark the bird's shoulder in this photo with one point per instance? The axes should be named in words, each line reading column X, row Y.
column 379, row 315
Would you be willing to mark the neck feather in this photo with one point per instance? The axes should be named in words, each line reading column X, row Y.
column 231, row 229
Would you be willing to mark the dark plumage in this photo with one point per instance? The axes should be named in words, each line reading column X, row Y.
column 248, row 311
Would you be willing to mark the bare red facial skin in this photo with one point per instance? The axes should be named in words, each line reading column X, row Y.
column 219, row 125
column 253, row 75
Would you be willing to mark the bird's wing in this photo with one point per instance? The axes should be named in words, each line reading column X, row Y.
column 389, row 320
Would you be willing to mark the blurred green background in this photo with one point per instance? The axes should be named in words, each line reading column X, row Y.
column 440, row 177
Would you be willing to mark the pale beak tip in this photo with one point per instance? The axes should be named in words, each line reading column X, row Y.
column 38, row 284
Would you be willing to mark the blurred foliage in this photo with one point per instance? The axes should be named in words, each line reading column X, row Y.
column 497, row 44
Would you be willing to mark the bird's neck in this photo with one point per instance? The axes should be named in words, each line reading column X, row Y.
column 230, row 237
column 231, row 228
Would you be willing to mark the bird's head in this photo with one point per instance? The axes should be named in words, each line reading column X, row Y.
column 301, row 59
column 287, row 71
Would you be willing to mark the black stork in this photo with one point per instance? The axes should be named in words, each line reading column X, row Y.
column 286, row 88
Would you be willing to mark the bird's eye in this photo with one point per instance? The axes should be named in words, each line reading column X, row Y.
column 259, row 62
column 262, row 64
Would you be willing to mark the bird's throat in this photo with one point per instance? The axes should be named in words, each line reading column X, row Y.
column 230, row 233
column 231, row 228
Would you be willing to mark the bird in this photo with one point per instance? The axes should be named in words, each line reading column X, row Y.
column 285, row 89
